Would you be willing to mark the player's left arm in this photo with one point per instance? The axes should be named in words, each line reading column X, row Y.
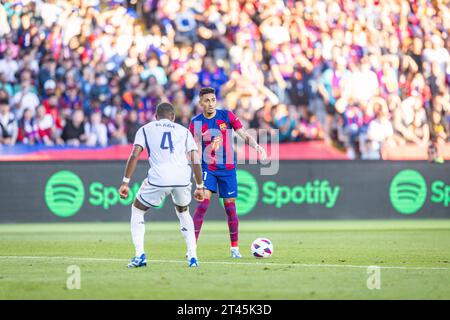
column 129, row 170
column 241, row 132
column 199, row 193
column 252, row 142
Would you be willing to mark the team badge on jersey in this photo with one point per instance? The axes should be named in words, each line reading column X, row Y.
column 222, row 125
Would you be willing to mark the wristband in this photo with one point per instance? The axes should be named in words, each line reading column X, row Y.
column 200, row 186
column 125, row 180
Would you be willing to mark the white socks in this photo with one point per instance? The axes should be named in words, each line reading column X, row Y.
column 188, row 231
column 137, row 229
column 186, row 228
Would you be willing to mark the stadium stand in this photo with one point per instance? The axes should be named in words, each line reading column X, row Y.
column 367, row 77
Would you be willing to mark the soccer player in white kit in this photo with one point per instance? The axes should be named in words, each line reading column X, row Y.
column 169, row 145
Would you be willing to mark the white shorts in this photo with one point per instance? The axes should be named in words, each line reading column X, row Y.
column 152, row 196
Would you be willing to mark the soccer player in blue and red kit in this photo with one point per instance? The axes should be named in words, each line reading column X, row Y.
column 213, row 129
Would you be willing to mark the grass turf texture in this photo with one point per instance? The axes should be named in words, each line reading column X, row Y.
column 312, row 260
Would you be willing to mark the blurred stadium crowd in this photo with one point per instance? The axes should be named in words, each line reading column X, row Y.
column 356, row 74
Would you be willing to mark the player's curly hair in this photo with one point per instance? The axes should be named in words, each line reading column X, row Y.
column 206, row 90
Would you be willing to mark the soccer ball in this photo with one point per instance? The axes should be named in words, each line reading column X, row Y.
column 262, row 248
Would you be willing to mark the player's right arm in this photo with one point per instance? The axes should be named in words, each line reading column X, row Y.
column 138, row 146
column 192, row 148
column 129, row 170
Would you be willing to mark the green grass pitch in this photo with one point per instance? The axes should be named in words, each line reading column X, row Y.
column 311, row 260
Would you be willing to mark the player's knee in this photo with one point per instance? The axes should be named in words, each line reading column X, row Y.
column 139, row 205
column 229, row 200
column 181, row 209
column 230, row 207
column 207, row 194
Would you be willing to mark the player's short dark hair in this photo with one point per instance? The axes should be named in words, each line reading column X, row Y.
column 206, row 90
column 165, row 110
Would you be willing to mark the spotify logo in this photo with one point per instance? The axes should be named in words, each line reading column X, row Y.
column 248, row 192
column 408, row 191
column 64, row 193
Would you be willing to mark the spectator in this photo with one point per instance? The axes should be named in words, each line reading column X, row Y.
column 180, row 104
column 155, row 70
column 310, row 128
column 47, row 72
column 439, row 130
column 52, row 108
column 100, row 90
column 8, row 124
column 71, row 99
column 211, row 75
column 49, row 88
column 4, row 25
column 5, row 85
column 284, row 121
column 117, row 130
column 132, row 125
column 184, row 116
column 45, row 126
column 28, row 129
column 379, row 133
column 410, row 122
column 185, row 24
column 96, row 131
column 74, row 133
column 9, row 66
column 352, row 118
column 26, row 97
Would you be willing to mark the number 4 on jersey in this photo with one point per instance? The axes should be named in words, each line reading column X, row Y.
column 167, row 138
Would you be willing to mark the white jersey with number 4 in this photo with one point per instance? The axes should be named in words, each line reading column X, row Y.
column 167, row 144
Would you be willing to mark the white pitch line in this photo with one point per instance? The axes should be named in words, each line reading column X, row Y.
column 275, row 264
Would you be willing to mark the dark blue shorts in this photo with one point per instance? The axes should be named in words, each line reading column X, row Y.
column 224, row 180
